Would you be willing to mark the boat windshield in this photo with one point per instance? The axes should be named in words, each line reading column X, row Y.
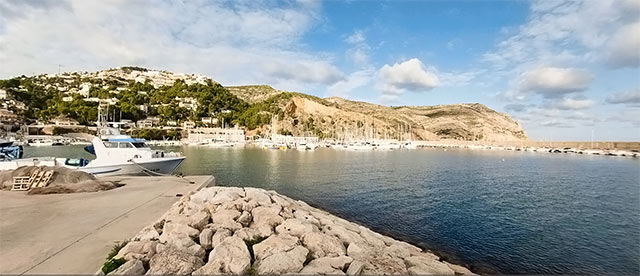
column 139, row 145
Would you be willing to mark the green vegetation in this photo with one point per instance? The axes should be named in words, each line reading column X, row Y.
column 112, row 264
column 157, row 134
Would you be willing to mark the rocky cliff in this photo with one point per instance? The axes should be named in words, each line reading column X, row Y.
column 136, row 93
column 340, row 118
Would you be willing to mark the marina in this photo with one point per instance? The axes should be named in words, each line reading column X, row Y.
column 463, row 212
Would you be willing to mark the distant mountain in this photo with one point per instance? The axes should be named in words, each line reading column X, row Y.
column 175, row 97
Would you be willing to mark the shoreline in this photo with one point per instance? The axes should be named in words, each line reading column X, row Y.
column 223, row 225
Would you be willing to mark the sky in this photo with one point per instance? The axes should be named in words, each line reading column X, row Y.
column 565, row 70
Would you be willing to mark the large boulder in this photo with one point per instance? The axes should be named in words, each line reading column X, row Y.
column 174, row 262
column 296, row 227
column 258, row 195
column 274, row 244
column 205, row 238
column 227, row 194
column 131, row 267
column 287, row 262
column 322, row 245
column 266, row 215
column 229, row 257
column 137, row 250
column 327, row 266
column 220, row 236
column 426, row 265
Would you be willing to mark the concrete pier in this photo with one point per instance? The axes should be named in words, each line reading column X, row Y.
column 73, row 233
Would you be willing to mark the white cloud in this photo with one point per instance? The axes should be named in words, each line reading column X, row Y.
column 565, row 31
column 623, row 49
column 629, row 98
column 572, row 104
column 358, row 53
column 553, row 81
column 356, row 37
column 410, row 75
column 355, row 80
column 233, row 42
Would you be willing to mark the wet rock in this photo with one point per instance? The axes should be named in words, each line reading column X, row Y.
column 296, row 227
column 205, row 238
column 131, row 267
column 229, row 257
column 322, row 245
column 327, row 266
column 175, row 262
column 426, row 265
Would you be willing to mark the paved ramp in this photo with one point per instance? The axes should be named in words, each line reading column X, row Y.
column 73, row 233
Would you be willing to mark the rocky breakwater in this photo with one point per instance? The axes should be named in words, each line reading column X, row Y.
column 229, row 230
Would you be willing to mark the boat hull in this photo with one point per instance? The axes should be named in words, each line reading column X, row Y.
column 158, row 166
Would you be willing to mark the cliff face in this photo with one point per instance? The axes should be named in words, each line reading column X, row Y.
column 337, row 117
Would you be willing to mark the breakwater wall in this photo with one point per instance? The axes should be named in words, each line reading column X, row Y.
column 229, row 230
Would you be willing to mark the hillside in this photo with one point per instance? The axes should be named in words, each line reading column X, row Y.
column 137, row 93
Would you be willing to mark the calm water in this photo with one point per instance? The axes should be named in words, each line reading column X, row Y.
column 501, row 212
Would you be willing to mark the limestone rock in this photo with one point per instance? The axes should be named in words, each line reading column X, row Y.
column 345, row 235
column 175, row 262
column 205, row 238
column 248, row 234
column 425, row 265
column 173, row 228
column 248, row 206
column 306, row 216
column 199, row 220
column 296, row 227
column 258, row 195
column 322, row 245
column 459, row 270
column 229, row 257
column 137, row 250
column 131, row 267
column 266, row 215
column 204, row 195
column 245, row 219
column 148, row 233
column 226, row 195
column 225, row 219
column 327, row 266
column 287, row 262
column 355, row 268
column 182, row 238
column 220, row 236
column 383, row 265
column 274, row 244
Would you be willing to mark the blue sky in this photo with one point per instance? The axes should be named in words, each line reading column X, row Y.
column 563, row 69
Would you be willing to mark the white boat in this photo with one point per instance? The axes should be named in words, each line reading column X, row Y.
column 116, row 154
